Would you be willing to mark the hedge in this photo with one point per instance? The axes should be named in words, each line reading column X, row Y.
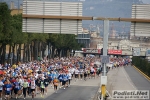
column 142, row 64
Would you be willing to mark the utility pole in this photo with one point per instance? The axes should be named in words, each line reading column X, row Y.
column 18, row 7
column 104, row 60
column 105, row 42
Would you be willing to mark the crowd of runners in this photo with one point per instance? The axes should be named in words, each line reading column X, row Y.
column 22, row 80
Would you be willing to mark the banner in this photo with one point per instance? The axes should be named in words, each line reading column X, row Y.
column 89, row 50
column 117, row 52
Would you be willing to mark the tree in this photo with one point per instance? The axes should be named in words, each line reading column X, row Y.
column 5, row 29
column 63, row 43
column 17, row 36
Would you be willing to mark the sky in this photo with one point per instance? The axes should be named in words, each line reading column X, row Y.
column 146, row 1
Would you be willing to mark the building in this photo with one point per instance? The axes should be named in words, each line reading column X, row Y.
column 15, row 10
column 140, row 29
column 84, row 38
column 122, row 47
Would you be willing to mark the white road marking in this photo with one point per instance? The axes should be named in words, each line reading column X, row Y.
column 125, row 74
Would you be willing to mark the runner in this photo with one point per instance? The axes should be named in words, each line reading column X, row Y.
column 17, row 87
column 55, row 82
column 76, row 74
column 69, row 78
column 25, row 87
column 7, row 88
column 29, row 87
column 85, row 74
column 42, row 86
column 65, row 79
column 46, row 83
column 33, row 87
column 60, row 77
column 1, row 88
column 37, row 82
column 81, row 73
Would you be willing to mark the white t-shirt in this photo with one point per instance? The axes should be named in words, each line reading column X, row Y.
column 21, row 81
column 69, row 74
column 72, row 70
column 1, row 85
column 32, row 84
column 76, row 71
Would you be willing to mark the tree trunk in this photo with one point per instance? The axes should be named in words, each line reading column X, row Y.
column 13, row 53
column 24, row 56
column 59, row 51
column 8, row 59
column 16, row 56
column 1, row 49
column 31, row 46
column 19, row 51
column 48, row 50
column 53, row 49
column 3, row 54
column 29, row 52
column 65, row 52
column 38, row 46
column 43, row 47
column 35, row 50
column 62, row 53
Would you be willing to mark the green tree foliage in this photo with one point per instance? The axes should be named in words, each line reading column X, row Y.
column 5, row 26
column 66, row 41
column 142, row 64
column 1, row 26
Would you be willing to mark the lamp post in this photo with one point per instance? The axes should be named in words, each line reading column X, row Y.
column 104, row 59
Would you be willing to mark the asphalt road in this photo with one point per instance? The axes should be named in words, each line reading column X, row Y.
column 79, row 90
column 74, row 93
column 140, row 82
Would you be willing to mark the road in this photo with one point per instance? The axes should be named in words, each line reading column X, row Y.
column 139, row 81
column 81, row 90
column 127, row 78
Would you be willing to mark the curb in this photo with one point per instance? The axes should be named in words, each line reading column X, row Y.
column 97, row 93
column 147, row 77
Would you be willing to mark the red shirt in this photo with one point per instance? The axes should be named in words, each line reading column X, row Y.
column 29, row 81
column 13, row 80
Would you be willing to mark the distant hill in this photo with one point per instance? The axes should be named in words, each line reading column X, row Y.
column 102, row 8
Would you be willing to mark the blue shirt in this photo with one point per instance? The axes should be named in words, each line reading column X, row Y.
column 8, row 88
column 17, row 85
column 60, row 77
column 65, row 77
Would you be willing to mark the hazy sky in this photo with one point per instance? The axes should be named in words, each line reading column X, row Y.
column 146, row 1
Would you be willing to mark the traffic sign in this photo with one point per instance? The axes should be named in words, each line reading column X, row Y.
column 136, row 52
column 104, row 59
column 148, row 52
column 42, row 17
